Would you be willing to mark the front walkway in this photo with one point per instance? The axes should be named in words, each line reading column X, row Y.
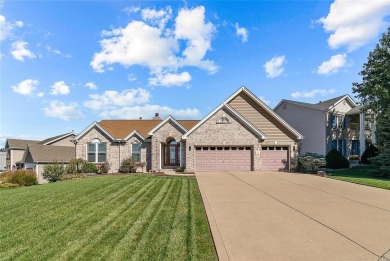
column 282, row 216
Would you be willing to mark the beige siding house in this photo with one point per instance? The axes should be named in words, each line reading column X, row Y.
column 242, row 133
column 335, row 123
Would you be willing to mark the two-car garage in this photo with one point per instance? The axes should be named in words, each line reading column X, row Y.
column 239, row 158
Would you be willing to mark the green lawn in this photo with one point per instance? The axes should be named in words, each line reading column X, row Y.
column 361, row 175
column 128, row 217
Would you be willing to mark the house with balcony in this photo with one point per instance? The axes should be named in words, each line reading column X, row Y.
column 336, row 123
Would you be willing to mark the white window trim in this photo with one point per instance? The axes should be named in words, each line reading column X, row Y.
column 96, row 151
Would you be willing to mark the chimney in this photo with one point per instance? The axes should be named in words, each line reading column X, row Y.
column 156, row 116
column 140, row 118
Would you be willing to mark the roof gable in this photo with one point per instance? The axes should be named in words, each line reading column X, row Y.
column 18, row 143
column 90, row 127
column 303, row 104
column 329, row 104
column 245, row 121
column 168, row 119
column 51, row 140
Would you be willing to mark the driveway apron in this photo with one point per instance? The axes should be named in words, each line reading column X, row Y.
column 283, row 216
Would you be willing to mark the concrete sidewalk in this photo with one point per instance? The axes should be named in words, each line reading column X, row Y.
column 281, row 216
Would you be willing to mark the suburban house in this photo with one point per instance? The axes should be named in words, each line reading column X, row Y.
column 242, row 133
column 15, row 148
column 2, row 160
column 335, row 123
column 36, row 156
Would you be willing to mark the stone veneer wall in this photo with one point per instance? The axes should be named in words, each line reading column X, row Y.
column 115, row 152
column 217, row 134
column 160, row 136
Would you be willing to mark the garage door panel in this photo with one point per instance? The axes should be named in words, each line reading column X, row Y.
column 223, row 160
column 274, row 158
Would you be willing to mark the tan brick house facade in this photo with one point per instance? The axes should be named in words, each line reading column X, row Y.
column 242, row 133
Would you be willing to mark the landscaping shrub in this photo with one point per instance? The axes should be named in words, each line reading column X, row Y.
column 71, row 176
column 20, row 177
column 103, row 168
column 180, row 169
column 369, row 153
column 9, row 185
column 382, row 161
column 310, row 161
column 89, row 167
column 128, row 166
column 75, row 166
column 53, row 172
column 334, row 160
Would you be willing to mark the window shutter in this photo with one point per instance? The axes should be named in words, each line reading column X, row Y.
column 344, row 147
column 344, row 122
column 331, row 119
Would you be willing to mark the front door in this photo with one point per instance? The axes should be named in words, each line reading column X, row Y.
column 171, row 154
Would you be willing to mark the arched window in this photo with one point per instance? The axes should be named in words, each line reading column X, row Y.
column 97, row 151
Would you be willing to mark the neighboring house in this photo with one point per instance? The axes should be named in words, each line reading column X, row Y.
column 15, row 148
column 242, row 133
column 335, row 123
column 2, row 160
column 36, row 156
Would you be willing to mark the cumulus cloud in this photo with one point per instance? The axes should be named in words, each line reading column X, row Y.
column 242, row 33
column 333, row 65
column 113, row 99
column 355, row 23
column 266, row 101
column 26, row 87
column 274, row 67
column 147, row 111
column 60, row 110
column 19, row 51
column 162, row 50
column 312, row 93
column 170, row 79
column 7, row 27
column 131, row 77
column 91, row 85
column 59, row 88
column 157, row 17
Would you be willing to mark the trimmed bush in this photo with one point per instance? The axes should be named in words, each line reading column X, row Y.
column 334, row 160
column 370, row 152
column 89, row 167
column 9, row 185
column 53, row 172
column 128, row 166
column 103, row 168
column 71, row 176
column 20, row 177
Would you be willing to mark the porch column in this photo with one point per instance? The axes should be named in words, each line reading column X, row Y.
column 362, row 134
column 373, row 130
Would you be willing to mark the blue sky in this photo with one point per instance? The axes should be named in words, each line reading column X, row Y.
column 65, row 64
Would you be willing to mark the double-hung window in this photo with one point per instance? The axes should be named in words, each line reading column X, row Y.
column 97, row 151
column 136, row 151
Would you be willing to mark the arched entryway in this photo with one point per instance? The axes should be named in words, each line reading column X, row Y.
column 171, row 153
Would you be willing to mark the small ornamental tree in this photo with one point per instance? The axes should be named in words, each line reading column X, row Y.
column 334, row 160
column 312, row 161
column 370, row 153
column 128, row 166
column 53, row 172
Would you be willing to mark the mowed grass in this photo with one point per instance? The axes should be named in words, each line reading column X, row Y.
column 129, row 217
column 361, row 175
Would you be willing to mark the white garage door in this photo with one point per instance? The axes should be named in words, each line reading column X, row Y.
column 209, row 158
column 274, row 158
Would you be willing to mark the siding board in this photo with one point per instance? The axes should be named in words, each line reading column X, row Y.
column 259, row 117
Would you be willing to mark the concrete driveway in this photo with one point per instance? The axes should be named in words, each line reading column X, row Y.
column 283, row 216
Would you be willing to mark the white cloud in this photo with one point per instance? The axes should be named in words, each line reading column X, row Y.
column 56, row 51
column 170, row 79
column 91, row 85
column 113, row 99
column 147, row 112
column 40, row 94
column 159, row 48
column 274, row 67
column 266, row 101
column 312, row 93
column 333, row 64
column 7, row 27
column 242, row 33
column 26, row 87
column 19, row 51
column 131, row 9
column 160, row 17
column 131, row 77
column 63, row 111
column 59, row 88
column 355, row 23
